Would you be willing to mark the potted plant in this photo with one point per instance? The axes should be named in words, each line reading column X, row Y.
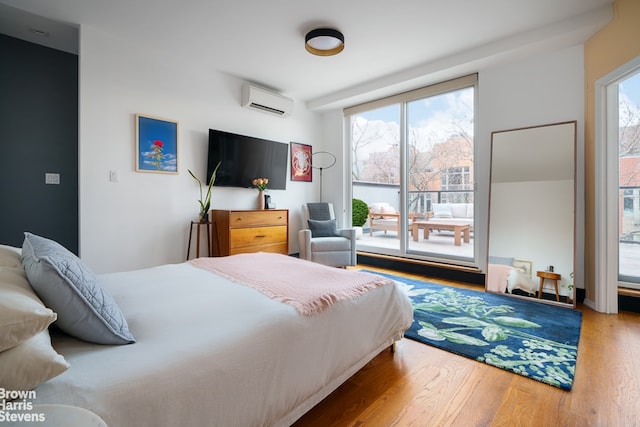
column 359, row 214
column 205, row 202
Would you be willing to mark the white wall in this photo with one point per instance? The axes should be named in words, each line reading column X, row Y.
column 143, row 219
column 547, row 88
column 334, row 187
column 533, row 90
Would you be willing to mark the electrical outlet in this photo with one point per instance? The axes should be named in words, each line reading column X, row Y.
column 52, row 178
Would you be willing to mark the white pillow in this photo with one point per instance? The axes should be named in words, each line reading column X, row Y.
column 388, row 210
column 34, row 361
column 518, row 279
column 22, row 314
column 442, row 210
column 459, row 210
column 10, row 256
column 377, row 207
column 469, row 210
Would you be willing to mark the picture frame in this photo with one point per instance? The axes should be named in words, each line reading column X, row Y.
column 301, row 162
column 156, row 145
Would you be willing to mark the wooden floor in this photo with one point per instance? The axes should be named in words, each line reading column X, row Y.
column 420, row 385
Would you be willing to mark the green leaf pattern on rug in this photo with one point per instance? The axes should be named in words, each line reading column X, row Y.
column 546, row 359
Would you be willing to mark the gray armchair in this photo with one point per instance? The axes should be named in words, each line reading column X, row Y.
column 321, row 241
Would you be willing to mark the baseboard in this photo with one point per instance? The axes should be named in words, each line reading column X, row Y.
column 430, row 269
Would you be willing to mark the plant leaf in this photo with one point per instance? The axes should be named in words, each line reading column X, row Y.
column 461, row 338
column 464, row 321
column 429, row 331
column 516, row 321
column 493, row 333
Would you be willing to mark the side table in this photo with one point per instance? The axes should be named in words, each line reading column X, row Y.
column 199, row 224
column 554, row 277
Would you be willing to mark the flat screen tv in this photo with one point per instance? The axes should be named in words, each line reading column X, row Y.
column 244, row 158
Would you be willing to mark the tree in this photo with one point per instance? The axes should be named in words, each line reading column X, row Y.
column 366, row 133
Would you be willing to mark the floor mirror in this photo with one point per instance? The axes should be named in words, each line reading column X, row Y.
column 531, row 244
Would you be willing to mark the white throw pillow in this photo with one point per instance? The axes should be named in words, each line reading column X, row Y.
column 10, row 256
column 22, row 314
column 518, row 279
column 377, row 208
column 459, row 210
column 34, row 361
column 388, row 210
column 469, row 210
column 442, row 210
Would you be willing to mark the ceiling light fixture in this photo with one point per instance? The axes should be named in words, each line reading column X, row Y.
column 324, row 42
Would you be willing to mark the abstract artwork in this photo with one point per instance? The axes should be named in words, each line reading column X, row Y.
column 301, row 169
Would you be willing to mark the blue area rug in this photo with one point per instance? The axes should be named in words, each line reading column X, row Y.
column 532, row 339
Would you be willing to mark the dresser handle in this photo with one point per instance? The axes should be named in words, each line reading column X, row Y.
column 261, row 235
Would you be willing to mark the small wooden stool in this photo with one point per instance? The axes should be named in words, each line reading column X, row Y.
column 551, row 276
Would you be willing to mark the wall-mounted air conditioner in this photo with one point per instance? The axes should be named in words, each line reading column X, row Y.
column 266, row 101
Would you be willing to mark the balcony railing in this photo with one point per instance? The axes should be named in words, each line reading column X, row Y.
column 420, row 202
column 629, row 221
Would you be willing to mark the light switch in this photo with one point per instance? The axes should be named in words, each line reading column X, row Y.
column 113, row 176
column 51, row 178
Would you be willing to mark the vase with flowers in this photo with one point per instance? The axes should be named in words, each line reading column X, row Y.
column 261, row 185
column 205, row 200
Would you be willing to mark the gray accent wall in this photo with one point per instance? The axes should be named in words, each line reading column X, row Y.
column 38, row 135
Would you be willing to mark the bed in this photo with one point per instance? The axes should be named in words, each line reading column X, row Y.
column 505, row 275
column 212, row 351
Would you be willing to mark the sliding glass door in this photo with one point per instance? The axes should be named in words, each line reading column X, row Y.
column 413, row 165
column 440, row 174
column 375, row 142
column 629, row 181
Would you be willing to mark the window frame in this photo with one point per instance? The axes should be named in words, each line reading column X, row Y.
column 403, row 99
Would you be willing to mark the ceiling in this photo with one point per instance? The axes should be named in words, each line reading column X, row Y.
column 389, row 46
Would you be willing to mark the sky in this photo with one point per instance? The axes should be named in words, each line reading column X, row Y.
column 431, row 118
column 425, row 110
column 438, row 111
column 630, row 89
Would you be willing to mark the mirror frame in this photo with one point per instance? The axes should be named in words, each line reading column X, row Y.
column 491, row 175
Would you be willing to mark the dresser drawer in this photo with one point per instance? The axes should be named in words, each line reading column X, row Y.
column 235, row 232
column 256, row 236
column 278, row 248
column 257, row 218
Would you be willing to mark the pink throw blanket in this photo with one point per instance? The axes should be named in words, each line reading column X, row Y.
column 307, row 286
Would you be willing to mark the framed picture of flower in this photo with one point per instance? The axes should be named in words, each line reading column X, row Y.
column 156, row 145
column 301, row 162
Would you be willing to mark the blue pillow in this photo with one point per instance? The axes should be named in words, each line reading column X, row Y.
column 327, row 228
column 66, row 285
column 500, row 260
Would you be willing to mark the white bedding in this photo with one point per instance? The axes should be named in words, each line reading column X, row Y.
column 506, row 278
column 211, row 352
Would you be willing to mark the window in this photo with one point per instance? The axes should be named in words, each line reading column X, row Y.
column 629, row 179
column 410, row 151
column 456, row 179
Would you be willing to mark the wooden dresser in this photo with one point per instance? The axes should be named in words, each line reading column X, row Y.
column 242, row 231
